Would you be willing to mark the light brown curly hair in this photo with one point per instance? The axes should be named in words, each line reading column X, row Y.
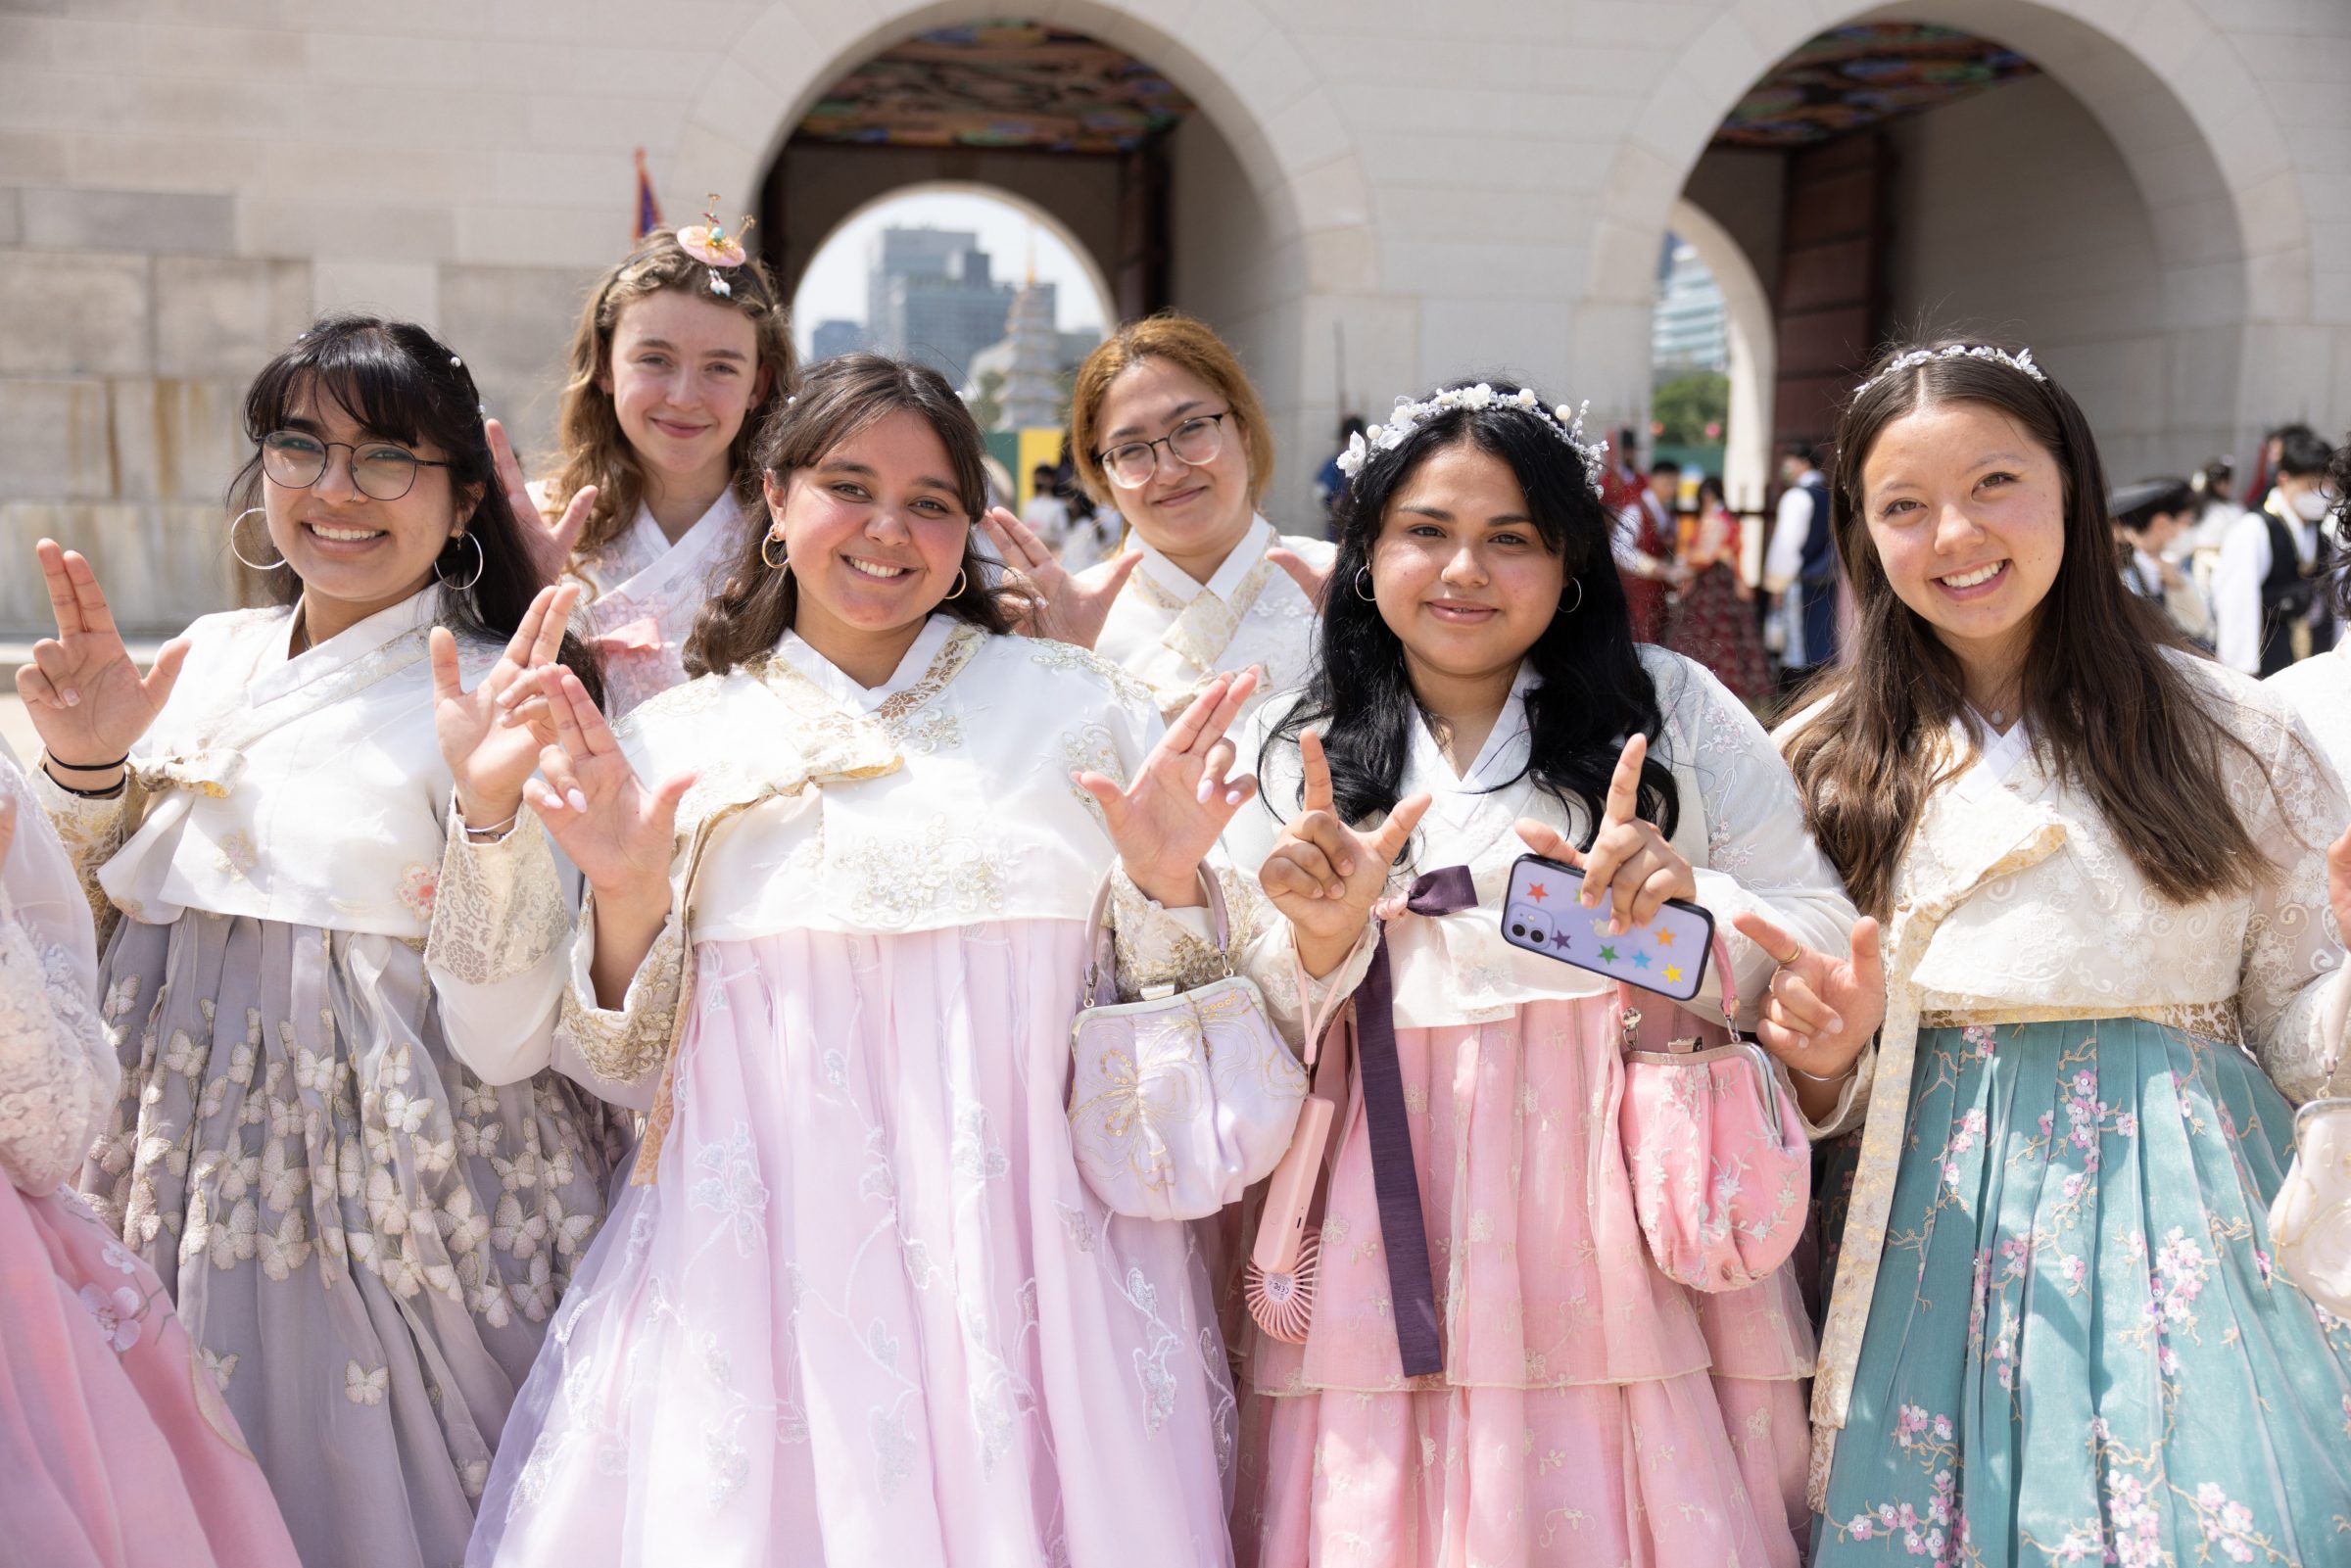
column 593, row 451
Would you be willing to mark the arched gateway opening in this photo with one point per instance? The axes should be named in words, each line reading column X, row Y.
column 2001, row 166
column 1153, row 157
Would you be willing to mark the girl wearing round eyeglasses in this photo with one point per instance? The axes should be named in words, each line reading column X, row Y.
column 1164, row 426
column 366, row 1240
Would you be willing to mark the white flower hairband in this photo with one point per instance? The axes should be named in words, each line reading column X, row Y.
column 1567, row 424
column 2021, row 361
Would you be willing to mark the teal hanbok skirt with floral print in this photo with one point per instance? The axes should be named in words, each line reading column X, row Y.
column 2079, row 1350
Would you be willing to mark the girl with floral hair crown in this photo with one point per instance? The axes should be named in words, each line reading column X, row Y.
column 1475, row 692
column 2115, row 879
column 365, row 1239
column 683, row 347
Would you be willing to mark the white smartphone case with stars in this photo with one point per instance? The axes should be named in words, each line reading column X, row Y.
column 1667, row 956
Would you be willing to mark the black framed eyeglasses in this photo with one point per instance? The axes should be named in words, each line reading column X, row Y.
column 380, row 470
column 1196, row 441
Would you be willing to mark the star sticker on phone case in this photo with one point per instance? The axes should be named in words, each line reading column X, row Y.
column 1537, row 891
column 1664, row 937
column 1673, row 972
column 1561, row 939
column 1640, row 961
column 1607, row 955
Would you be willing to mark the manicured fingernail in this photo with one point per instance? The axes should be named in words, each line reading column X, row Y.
column 1232, row 797
column 1207, row 787
column 576, row 799
column 73, row 700
column 1338, row 891
column 1836, row 1027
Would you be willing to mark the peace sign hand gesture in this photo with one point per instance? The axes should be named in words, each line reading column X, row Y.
column 1064, row 607
column 549, row 542
column 86, row 700
column 1630, row 863
column 489, row 759
column 1323, row 874
column 1165, row 822
column 1822, row 1009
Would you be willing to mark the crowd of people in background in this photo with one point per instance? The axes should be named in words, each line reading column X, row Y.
column 724, row 997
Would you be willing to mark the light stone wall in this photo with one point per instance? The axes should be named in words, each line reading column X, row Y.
column 1475, row 186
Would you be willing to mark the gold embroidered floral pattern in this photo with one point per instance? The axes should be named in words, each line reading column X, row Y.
column 892, row 881
column 628, row 1045
column 499, row 908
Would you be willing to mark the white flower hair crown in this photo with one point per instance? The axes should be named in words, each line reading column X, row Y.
column 2021, row 361
column 1567, row 424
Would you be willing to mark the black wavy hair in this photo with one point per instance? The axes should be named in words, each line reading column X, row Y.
column 402, row 384
column 1592, row 693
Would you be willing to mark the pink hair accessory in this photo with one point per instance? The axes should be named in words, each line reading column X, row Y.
column 710, row 244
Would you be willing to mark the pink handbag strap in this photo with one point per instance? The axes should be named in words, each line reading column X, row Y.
column 1724, row 982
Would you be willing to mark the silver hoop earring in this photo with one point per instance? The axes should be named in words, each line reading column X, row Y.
column 251, row 566
column 481, row 563
column 1577, row 584
column 963, row 580
column 1361, row 573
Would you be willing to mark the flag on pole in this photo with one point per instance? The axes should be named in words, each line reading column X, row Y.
column 649, row 206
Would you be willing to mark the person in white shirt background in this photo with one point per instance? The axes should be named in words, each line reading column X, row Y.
column 2259, row 595
column 2148, row 518
column 1800, row 568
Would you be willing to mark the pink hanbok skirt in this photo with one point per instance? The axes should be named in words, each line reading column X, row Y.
column 869, row 1314
column 1589, row 1410
column 116, row 1450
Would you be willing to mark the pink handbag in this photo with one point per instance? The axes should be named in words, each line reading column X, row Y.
column 1721, row 1169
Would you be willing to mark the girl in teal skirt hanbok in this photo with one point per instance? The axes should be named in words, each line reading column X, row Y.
column 2113, row 896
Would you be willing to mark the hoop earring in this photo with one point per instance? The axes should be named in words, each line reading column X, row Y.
column 481, row 564
column 251, row 566
column 963, row 580
column 1361, row 573
column 1577, row 584
column 767, row 539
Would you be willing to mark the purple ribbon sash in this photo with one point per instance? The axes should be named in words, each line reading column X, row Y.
column 1395, row 1178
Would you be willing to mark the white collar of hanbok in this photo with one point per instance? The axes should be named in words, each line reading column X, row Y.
column 1501, row 759
column 646, row 532
column 1180, row 584
column 283, row 671
column 829, row 679
column 1999, row 760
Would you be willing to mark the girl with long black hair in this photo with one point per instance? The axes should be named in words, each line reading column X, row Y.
column 364, row 1240
column 1476, row 693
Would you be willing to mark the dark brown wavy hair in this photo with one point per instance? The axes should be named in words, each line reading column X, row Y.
column 593, row 449
column 402, row 384
column 2108, row 703
column 840, row 397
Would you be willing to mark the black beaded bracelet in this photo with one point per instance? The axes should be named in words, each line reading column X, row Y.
column 87, row 767
column 108, row 793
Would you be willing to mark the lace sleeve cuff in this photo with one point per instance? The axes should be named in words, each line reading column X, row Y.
column 1160, row 946
column 622, row 1048
column 500, row 910
column 91, row 831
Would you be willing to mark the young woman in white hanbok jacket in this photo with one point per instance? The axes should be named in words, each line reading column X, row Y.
column 1473, row 690
column 1166, row 428
column 857, row 1306
column 2115, row 878
column 683, row 347
column 365, row 1239
column 116, row 1446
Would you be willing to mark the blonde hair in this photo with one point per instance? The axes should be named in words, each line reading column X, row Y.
column 1182, row 341
column 594, row 450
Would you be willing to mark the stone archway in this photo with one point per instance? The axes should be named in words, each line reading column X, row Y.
column 1747, row 430
column 2225, row 206
column 1283, row 135
column 793, row 263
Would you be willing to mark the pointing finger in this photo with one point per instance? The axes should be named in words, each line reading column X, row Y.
column 1316, row 766
column 1624, row 784
column 1393, row 833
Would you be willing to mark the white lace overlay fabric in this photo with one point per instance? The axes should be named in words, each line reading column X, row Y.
column 58, row 1073
column 641, row 594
